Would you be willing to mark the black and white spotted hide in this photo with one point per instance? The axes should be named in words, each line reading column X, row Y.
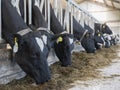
column 115, row 38
column 64, row 48
column 100, row 41
column 86, row 39
column 104, row 28
column 107, row 39
column 28, row 46
column 64, row 41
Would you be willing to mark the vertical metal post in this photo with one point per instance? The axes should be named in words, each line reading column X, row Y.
column 41, row 5
column 48, row 10
column 61, row 12
column 55, row 6
column 30, row 11
column 72, row 12
column 25, row 11
column 82, row 19
column 68, row 17
column 58, row 12
column 0, row 23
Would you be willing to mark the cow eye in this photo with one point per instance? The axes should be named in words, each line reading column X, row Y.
column 34, row 55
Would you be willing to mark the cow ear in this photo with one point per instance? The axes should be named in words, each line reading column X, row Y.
column 104, row 25
column 59, row 39
column 17, row 42
column 18, row 38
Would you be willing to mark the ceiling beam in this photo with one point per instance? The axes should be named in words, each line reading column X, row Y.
column 116, row 1
column 105, row 4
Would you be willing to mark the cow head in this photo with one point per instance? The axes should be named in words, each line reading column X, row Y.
column 99, row 40
column 63, row 48
column 31, row 56
column 88, row 43
column 103, row 28
column 88, row 40
column 84, row 36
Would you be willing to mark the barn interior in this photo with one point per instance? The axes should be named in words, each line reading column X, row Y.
column 103, row 11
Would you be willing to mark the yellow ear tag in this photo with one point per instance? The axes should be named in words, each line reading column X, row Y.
column 60, row 39
column 99, row 35
column 15, row 47
column 78, row 42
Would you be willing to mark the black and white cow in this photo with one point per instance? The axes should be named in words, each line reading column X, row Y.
column 97, row 35
column 100, row 40
column 64, row 44
column 104, row 28
column 107, row 39
column 30, row 48
column 84, row 36
column 63, row 49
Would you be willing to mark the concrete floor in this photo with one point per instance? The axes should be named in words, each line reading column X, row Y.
column 110, row 80
column 111, row 74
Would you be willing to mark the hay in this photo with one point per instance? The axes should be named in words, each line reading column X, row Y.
column 83, row 68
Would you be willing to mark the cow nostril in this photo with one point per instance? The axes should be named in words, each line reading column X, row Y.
column 37, row 55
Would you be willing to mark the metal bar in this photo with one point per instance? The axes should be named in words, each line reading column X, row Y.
column 100, row 3
column 0, row 23
column 48, row 10
column 45, row 10
column 41, row 5
column 30, row 11
column 81, row 9
column 115, row 1
column 61, row 12
column 55, row 7
column 72, row 11
column 67, row 19
column 25, row 11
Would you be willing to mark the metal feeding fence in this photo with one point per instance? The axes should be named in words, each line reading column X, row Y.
column 8, row 71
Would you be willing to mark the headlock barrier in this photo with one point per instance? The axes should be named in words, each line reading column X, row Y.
column 80, row 14
column 76, row 11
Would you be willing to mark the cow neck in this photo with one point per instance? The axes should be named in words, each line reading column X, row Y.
column 24, row 31
column 44, row 29
column 64, row 32
column 56, row 26
column 79, row 31
column 83, row 35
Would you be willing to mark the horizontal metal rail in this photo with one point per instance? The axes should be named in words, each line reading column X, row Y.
column 0, row 23
column 81, row 9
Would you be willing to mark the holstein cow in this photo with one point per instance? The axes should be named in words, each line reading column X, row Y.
column 100, row 39
column 64, row 44
column 97, row 35
column 84, row 36
column 101, row 29
column 62, row 49
column 30, row 48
